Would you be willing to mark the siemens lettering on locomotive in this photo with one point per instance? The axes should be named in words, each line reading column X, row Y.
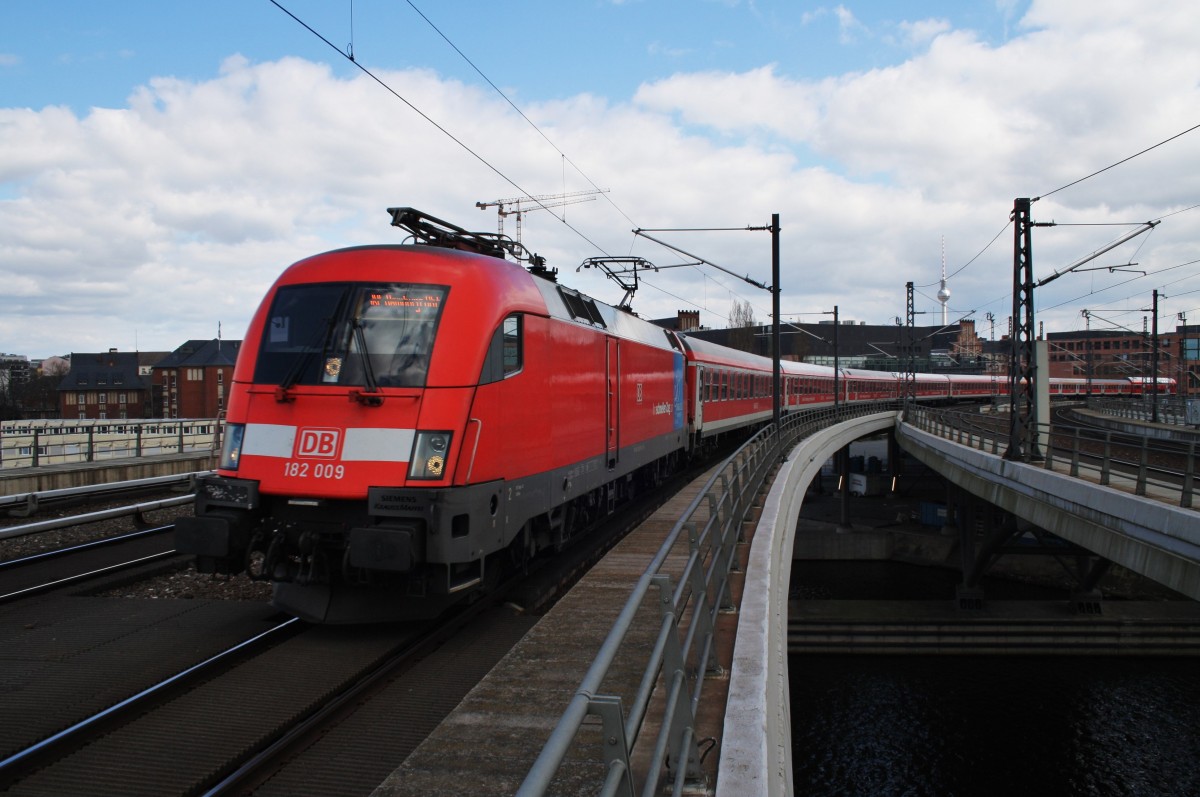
column 407, row 422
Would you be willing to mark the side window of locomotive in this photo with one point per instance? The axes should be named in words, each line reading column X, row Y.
column 505, row 354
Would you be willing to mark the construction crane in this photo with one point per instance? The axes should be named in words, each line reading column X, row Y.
column 519, row 206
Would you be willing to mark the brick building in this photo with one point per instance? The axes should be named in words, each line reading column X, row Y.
column 108, row 384
column 192, row 381
column 956, row 348
column 1112, row 354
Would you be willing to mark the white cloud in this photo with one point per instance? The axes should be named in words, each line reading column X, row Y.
column 923, row 31
column 154, row 221
column 849, row 28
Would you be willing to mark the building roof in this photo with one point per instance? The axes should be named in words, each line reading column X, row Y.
column 110, row 369
column 202, row 353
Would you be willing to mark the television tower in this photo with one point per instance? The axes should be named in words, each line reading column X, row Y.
column 943, row 294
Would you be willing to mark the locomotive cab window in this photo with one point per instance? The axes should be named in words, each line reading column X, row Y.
column 505, row 354
column 350, row 334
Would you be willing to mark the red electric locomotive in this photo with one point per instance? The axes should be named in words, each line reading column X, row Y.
column 406, row 420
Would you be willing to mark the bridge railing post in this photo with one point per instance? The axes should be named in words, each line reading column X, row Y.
column 1106, row 461
column 1049, row 463
column 1143, row 463
column 619, row 781
column 1189, row 476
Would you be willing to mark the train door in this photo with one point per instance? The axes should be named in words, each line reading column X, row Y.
column 613, row 413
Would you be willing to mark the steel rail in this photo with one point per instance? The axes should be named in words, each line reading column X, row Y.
column 93, row 517
column 62, row 582
column 83, row 546
column 9, row 764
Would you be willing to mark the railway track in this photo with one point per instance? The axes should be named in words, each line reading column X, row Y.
column 330, row 710
column 63, row 538
column 293, row 706
column 72, row 565
column 65, row 520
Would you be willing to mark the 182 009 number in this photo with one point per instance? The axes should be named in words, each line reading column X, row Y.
column 319, row 470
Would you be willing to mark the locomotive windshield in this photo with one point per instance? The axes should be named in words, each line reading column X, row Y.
column 318, row 335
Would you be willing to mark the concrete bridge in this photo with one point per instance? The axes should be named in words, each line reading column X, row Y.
column 1149, row 535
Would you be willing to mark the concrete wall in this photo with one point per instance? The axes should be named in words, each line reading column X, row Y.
column 756, row 747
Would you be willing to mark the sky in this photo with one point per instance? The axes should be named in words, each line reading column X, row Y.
column 162, row 163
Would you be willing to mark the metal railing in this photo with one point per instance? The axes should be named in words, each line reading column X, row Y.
column 1171, row 410
column 27, row 504
column 1147, row 467
column 691, row 573
column 30, row 444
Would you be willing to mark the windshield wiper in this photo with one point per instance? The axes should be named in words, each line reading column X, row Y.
column 370, row 397
column 283, row 390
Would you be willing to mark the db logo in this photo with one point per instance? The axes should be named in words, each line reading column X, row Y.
column 318, row 443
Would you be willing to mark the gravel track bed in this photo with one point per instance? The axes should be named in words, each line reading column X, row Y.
column 188, row 584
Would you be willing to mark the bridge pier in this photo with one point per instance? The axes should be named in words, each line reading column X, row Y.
column 843, row 467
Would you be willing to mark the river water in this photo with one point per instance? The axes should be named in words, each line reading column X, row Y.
column 985, row 725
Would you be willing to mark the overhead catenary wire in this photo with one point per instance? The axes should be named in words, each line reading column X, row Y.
column 495, row 169
column 963, row 267
column 513, row 105
column 1114, row 165
column 350, row 57
column 1119, row 284
column 563, row 155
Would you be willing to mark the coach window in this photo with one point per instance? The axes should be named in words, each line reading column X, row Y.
column 505, row 355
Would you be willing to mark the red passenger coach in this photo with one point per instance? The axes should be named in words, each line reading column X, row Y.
column 407, row 421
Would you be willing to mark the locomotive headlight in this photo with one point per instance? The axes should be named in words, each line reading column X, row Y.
column 231, row 449
column 429, row 455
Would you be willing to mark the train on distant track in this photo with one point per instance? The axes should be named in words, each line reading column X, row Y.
column 407, row 422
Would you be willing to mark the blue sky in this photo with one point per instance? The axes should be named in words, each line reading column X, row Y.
column 83, row 54
column 193, row 150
